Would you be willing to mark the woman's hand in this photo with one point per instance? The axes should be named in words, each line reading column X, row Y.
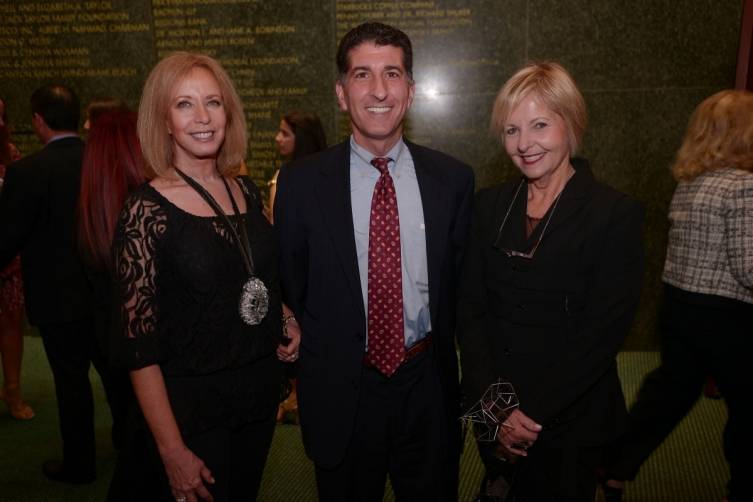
column 187, row 475
column 186, row 472
column 517, row 434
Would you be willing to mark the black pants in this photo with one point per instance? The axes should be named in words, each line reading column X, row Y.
column 234, row 455
column 400, row 431
column 701, row 335
column 117, row 382
column 559, row 470
column 71, row 347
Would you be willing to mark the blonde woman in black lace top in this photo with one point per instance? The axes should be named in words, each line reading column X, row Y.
column 207, row 382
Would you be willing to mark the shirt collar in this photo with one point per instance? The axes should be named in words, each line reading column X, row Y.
column 395, row 152
column 62, row 135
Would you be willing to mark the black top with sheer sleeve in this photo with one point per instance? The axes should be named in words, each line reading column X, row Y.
column 179, row 277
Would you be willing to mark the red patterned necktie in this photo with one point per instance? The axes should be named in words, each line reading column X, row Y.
column 386, row 345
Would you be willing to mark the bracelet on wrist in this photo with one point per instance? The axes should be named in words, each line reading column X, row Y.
column 286, row 319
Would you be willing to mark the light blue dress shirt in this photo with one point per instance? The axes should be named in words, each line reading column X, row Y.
column 363, row 178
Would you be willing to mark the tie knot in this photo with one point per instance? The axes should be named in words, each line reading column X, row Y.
column 381, row 163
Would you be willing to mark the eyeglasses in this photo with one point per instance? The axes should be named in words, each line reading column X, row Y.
column 520, row 254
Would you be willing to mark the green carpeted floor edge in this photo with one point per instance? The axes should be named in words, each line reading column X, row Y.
column 689, row 467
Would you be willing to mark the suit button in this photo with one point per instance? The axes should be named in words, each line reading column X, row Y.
column 521, row 306
column 507, row 352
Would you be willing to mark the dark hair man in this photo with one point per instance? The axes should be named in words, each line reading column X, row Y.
column 37, row 218
column 371, row 234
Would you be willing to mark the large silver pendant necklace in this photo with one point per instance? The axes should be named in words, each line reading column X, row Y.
column 253, row 304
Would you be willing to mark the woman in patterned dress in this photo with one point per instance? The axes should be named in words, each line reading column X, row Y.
column 11, row 303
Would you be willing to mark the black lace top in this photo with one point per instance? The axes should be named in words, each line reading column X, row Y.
column 179, row 278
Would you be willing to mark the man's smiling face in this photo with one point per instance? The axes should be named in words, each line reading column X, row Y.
column 377, row 93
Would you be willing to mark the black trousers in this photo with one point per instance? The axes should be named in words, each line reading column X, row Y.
column 558, row 470
column 235, row 456
column 400, row 431
column 701, row 335
column 71, row 347
column 117, row 382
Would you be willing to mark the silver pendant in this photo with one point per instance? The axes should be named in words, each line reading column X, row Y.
column 254, row 302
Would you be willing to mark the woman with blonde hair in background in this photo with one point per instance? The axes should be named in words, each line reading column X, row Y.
column 708, row 294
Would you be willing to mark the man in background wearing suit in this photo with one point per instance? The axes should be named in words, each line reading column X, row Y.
column 371, row 233
column 37, row 217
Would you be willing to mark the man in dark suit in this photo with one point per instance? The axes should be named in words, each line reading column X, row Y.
column 37, row 218
column 372, row 231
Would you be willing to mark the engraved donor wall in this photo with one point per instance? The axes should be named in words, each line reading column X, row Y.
column 642, row 66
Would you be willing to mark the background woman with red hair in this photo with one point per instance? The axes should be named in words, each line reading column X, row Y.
column 112, row 167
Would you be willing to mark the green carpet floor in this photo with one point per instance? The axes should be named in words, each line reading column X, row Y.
column 688, row 467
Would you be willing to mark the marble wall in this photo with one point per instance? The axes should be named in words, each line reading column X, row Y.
column 642, row 65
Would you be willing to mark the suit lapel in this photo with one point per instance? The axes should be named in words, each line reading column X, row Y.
column 333, row 194
column 576, row 194
column 435, row 200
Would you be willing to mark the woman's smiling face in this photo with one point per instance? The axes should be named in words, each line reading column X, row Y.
column 536, row 139
column 196, row 119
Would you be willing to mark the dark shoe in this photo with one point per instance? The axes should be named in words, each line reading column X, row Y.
column 611, row 494
column 608, row 493
column 56, row 471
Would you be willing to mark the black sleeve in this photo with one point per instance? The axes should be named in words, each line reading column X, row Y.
column 473, row 335
column 292, row 236
column 463, row 217
column 136, row 244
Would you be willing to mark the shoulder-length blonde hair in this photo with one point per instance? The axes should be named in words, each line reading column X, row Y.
column 720, row 134
column 155, row 139
column 555, row 88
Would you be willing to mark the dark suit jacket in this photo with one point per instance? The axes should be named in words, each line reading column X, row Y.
column 321, row 283
column 38, row 208
column 552, row 325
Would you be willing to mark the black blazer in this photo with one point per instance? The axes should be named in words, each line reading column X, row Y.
column 321, row 283
column 38, row 208
column 552, row 325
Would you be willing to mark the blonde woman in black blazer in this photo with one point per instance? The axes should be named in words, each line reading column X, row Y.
column 550, row 284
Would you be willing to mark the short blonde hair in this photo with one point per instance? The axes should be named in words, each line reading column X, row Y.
column 720, row 134
column 555, row 88
column 155, row 139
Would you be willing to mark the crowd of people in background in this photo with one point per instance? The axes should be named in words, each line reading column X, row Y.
column 342, row 299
